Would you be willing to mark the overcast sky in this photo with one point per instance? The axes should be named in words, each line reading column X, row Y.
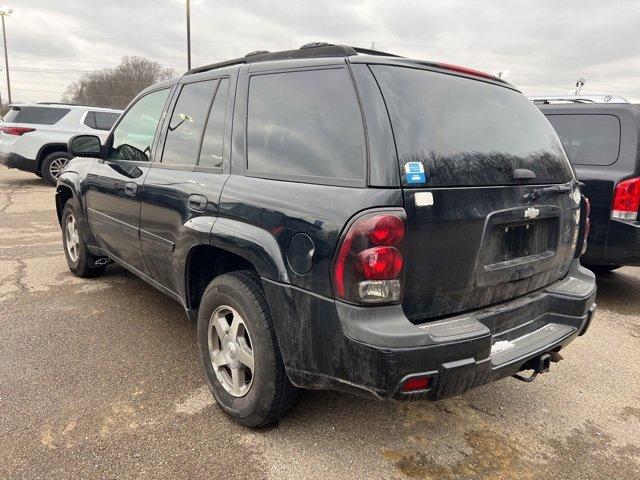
column 545, row 45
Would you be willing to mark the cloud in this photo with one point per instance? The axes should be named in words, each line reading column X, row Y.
column 545, row 45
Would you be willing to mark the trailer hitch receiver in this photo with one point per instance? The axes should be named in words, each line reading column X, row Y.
column 538, row 365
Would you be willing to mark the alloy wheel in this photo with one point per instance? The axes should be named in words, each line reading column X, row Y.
column 72, row 238
column 230, row 350
column 56, row 166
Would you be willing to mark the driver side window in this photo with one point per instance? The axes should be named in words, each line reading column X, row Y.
column 133, row 137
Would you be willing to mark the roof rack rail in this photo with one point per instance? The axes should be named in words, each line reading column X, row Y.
column 368, row 51
column 257, row 52
column 67, row 104
column 550, row 99
column 308, row 50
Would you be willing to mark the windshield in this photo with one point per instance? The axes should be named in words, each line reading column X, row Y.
column 467, row 132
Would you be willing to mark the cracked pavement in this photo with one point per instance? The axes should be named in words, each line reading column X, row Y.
column 100, row 378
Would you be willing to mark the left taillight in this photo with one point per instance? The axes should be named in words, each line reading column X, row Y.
column 369, row 262
column 16, row 130
column 585, row 226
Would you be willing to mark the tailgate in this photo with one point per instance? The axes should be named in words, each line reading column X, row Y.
column 475, row 247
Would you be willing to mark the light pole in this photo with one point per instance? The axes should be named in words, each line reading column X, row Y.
column 188, row 34
column 5, row 12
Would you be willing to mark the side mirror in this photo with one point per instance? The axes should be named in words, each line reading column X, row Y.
column 85, row 146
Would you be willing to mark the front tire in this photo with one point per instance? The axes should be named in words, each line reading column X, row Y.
column 53, row 164
column 79, row 260
column 239, row 351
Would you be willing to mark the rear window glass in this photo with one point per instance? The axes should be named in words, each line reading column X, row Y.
column 305, row 124
column 467, row 132
column 38, row 115
column 588, row 139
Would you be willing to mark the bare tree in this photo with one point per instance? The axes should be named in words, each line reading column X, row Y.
column 116, row 87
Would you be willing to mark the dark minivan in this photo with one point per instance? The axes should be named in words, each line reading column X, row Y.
column 601, row 137
column 337, row 218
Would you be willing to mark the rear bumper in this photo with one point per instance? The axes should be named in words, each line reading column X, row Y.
column 14, row 160
column 372, row 351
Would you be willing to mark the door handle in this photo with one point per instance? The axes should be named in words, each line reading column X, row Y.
column 197, row 203
column 131, row 189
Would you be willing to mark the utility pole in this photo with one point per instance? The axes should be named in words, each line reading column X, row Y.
column 188, row 34
column 5, row 12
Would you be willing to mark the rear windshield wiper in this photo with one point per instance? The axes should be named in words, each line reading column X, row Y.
column 563, row 188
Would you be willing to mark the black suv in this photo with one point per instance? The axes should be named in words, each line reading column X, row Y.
column 601, row 139
column 336, row 218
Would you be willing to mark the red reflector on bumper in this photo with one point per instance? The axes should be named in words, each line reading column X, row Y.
column 417, row 383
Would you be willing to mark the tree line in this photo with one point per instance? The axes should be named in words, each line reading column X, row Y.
column 112, row 87
column 116, row 87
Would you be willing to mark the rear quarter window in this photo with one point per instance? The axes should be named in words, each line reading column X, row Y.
column 588, row 139
column 305, row 126
column 36, row 115
column 105, row 120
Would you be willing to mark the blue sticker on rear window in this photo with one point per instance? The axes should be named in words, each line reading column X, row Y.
column 414, row 173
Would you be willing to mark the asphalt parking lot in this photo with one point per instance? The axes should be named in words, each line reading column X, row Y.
column 100, row 379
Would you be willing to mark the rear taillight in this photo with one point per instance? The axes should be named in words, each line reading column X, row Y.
column 16, row 130
column 626, row 199
column 585, row 225
column 369, row 264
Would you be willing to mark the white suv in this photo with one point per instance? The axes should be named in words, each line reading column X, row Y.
column 33, row 137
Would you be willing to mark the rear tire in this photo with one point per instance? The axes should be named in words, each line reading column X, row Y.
column 235, row 303
column 53, row 164
column 79, row 260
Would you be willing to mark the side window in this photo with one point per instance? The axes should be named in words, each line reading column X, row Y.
column 212, row 142
column 588, row 139
column 105, row 120
column 187, row 123
column 90, row 120
column 100, row 120
column 133, row 137
column 305, row 124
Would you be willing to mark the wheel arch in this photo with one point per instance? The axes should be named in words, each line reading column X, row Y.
column 49, row 148
column 67, row 189
column 233, row 245
column 204, row 263
column 63, row 195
